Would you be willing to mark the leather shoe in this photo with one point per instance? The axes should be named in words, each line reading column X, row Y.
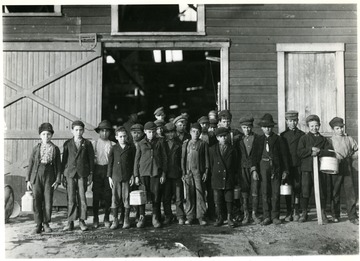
column 181, row 221
column 265, row 222
column 335, row 219
column 189, row 222
column 141, row 222
column 276, row 221
column 82, row 225
column 218, row 222
column 202, row 222
column 38, row 229
column 96, row 222
column 355, row 221
column 69, row 226
column 47, row 228
column 289, row 218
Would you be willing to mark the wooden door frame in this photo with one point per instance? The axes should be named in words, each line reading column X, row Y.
column 283, row 48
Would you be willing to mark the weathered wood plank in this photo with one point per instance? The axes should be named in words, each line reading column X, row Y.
column 28, row 29
column 283, row 7
column 42, row 21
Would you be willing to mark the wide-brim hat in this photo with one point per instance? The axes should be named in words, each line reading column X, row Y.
column 267, row 121
column 104, row 125
column 46, row 127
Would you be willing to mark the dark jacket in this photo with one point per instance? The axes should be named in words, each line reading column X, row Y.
column 121, row 162
column 186, row 136
column 277, row 152
column 203, row 149
column 223, row 167
column 174, row 160
column 150, row 158
column 80, row 161
column 291, row 139
column 304, row 150
column 244, row 156
column 34, row 163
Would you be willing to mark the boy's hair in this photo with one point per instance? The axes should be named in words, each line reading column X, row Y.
column 77, row 123
column 225, row 114
column 120, row 129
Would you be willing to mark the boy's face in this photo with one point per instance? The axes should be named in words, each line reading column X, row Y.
column 121, row 137
column 246, row 129
column 150, row 134
column 77, row 132
column 225, row 122
column 136, row 135
column 222, row 139
column 291, row 124
column 45, row 136
column 170, row 135
column 195, row 134
column 160, row 117
column 267, row 130
column 339, row 131
column 159, row 131
column 205, row 126
column 180, row 126
column 104, row 134
column 314, row 126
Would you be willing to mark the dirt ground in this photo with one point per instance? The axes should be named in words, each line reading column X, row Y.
column 291, row 238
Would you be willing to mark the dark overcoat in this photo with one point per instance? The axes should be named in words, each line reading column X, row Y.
column 121, row 162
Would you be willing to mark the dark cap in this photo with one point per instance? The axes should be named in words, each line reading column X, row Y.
column 77, row 123
column 213, row 123
column 159, row 123
column 221, row 131
column 203, row 119
column 137, row 127
column 267, row 121
column 105, row 124
column 195, row 125
column 178, row 118
column 246, row 120
column 336, row 122
column 46, row 127
column 225, row 114
column 185, row 115
column 159, row 111
column 291, row 115
column 150, row 126
column 312, row 117
column 169, row 127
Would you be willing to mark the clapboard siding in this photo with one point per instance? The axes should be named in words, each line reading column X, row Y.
column 255, row 30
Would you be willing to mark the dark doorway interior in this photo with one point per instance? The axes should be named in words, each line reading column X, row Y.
column 139, row 81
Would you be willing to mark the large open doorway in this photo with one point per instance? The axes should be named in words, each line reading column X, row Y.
column 139, row 81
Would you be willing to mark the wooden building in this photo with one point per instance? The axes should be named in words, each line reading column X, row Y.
column 270, row 58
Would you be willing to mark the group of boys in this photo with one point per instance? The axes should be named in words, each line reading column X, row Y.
column 201, row 168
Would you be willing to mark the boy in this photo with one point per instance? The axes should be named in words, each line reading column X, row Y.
column 269, row 158
column 181, row 133
column 150, row 168
column 195, row 168
column 121, row 164
column 101, row 188
column 78, row 168
column 173, row 184
column 160, row 114
column 310, row 145
column 223, row 166
column 225, row 118
column 291, row 137
column 159, row 128
column 43, row 177
column 346, row 150
column 248, row 185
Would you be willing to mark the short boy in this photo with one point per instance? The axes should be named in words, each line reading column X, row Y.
column 120, row 176
column 44, row 176
column 291, row 137
column 248, row 185
column 225, row 118
column 181, row 133
column 270, row 161
column 173, row 185
column 195, row 168
column 310, row 145
column 346, row 150
column 78, row 168
column 101, row 188
column 160, row 114
column 223, row 165
column 150, row 168
column 160, row 128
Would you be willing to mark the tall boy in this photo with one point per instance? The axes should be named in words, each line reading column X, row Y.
column 269, row 158
column 346, row 150
column 44, row 176
column 120, row 171
column 173, row 185
column 150, row 168
column 291, row 137
column 195, row 167
column 101, row 188
column 310, row 145
column 225, row 118
column 78, row 168
column 223, row 165
column 248, row 185
column 181, row 133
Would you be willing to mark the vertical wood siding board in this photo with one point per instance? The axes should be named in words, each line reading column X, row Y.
column 19, row 77
column 339, row 68
column 11, row 78
column 88, row 91
column 65, row 84
column 73, row 86
column 99, row 90
column 24, row 116
column 59, row 93
column 36, row 80
column 281, row 89
column 52, row 88
column 94, row 93
column 47, row 89
column 83, row 87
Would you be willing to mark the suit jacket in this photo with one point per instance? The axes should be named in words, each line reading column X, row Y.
column 121, row 162
column 80, row 161
column 150, row 158
column 277, row 152
column 203, row 150
column 304, row 150
column 34, row 163
column 223, row 167
column 244, row 156
column 291, row 139
column 186, row 136
column 174, row 160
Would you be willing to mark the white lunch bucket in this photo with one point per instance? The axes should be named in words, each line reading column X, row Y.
column 137, row 197
column 329, row 165
column 285, row 190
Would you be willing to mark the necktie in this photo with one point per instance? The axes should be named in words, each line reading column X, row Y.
column 267, row 145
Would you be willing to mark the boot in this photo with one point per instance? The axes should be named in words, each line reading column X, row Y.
column 47, row 228
column 83, row 225
column 96, row 222
column 296, row 213
column 304, row 206
column 256, row 219
column 230, row 221
column 115, row 224
column 246, row 211
column 121, row 218
column 288, row 216
column 155, row 221
column 304, row 216
column 69, row 226
column 127, row 218
column 324, row 217
column 141, row 222
column 219, row 220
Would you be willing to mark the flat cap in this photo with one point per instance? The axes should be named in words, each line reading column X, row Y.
column 291, row 115
column 185, row 115
column 77, row 123
column 159, row 111
column 150, row 126
column 266, row 121
column 46, row 127
column 169, row 127
column 213, row 123
column 312, row 117
column 137, row 127
column 337, row 121
column 178, row 118
column 246, row 120
column 221, row 131
column 225, row 114
column 195, row 125
column 203, row 119
column 159, row 123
